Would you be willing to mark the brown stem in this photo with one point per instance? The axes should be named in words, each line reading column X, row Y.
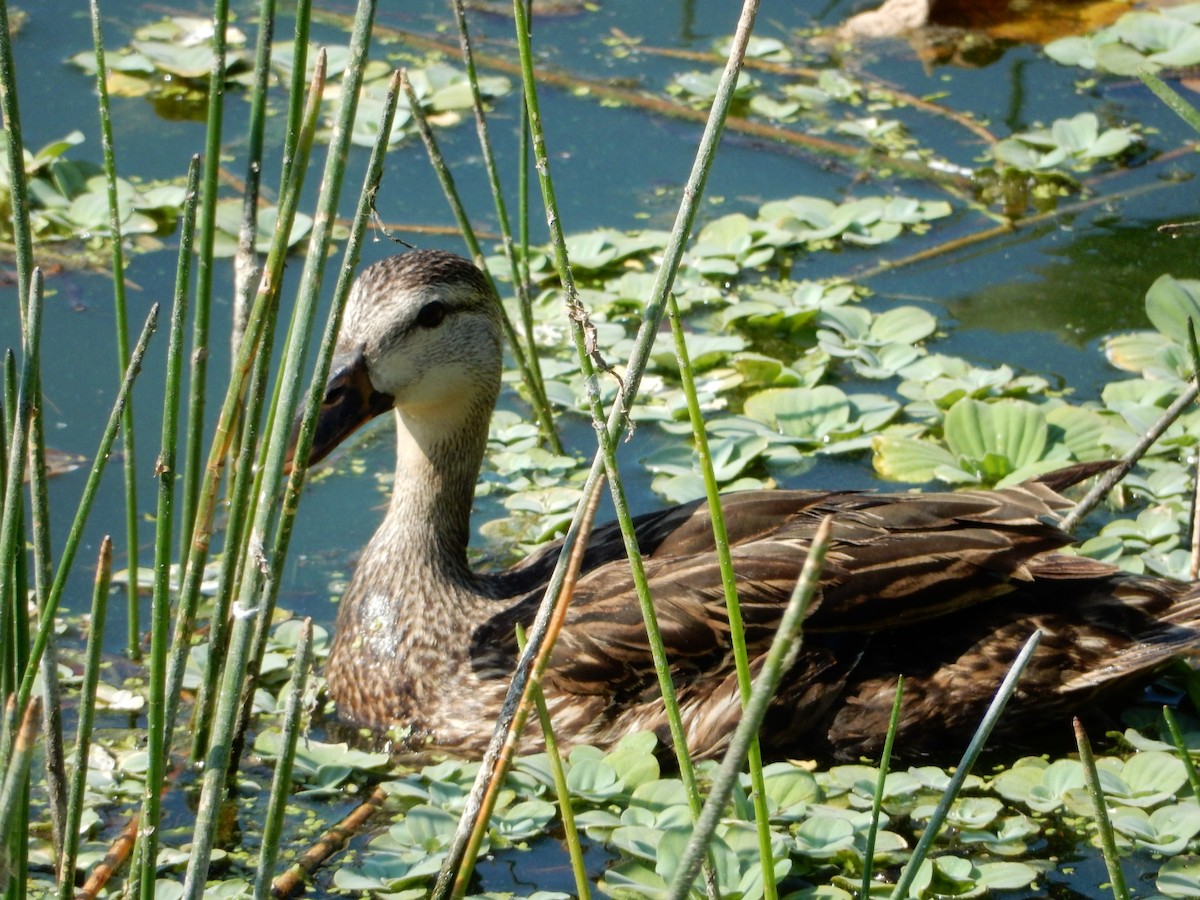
column 786, row 70
column 114, row 859
column 326, row 845
column 605, row 91
column 513, row 738
column 1008, row 227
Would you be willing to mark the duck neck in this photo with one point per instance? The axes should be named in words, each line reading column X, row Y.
column 437, row 465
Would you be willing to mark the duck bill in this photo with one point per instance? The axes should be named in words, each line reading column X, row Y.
column 350, row 401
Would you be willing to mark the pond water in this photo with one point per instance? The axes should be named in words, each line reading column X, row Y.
column 1038, row 299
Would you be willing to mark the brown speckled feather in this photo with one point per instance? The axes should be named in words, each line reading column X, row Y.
column 942, row 588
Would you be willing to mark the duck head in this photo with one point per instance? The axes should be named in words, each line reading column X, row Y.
column 421, row 334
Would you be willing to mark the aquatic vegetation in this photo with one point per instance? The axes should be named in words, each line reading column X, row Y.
column 1077, row 143
column 1140, row 39
column 171, row 59
column 68, row 198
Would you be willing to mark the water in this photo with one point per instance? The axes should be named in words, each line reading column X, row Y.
column 1038, row 299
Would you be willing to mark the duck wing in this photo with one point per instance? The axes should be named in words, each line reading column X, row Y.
column 895, row 560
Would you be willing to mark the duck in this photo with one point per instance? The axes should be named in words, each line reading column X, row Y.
column 942, row 588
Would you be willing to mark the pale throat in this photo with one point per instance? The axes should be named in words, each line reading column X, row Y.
column 438, row 455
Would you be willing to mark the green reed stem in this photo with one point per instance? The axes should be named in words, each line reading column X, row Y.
column 785, row 645
column 1185, row 755
column 14, row 148
column 23, row 247
column 87, row 713
column 116, row 245
column 578, row 318
column 290, row 380
column 295, row 114
column 281, row 784
column 43, row 572
column 456, row 870
column 885, row 762
column 193, row 473
column 446, row 180
column 692, row 195
column 259, row 584
column 13, row 601
column 1174, row 101
column 1189, row 677
column 245, row 260
column 316, row 391
column 1108, row 841
column 242, row 503
column 536, row 383
column 10, row 667
column 570, row 833
column 16, row 824
column 1105, row 482
column 974, row 748
column 74, row 535
column 16, row 783
column 160, row 608
column 264, row 308
column 525, row 151
column 737, row 632
column 242, row 500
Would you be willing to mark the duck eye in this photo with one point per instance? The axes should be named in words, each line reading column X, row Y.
column 431, row 314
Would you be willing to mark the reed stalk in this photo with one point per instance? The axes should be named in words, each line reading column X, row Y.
column 536, row 383
column 281, row 783
column 26, row 279
column 588, row 364
column 785, row 645
column 160, row 605
column 50, row 608
column 1109, row 479
column 737, row 632
column 247, row 274
column 228, row 700
column 258, row 587
column 13, row 790
column 583, row 890
column 536, row 389
column 241, row 499
column 13, row 603
column 16, row 632
column 885, row 761
column 43, row 575
column 1108, row 841
column 245, row 260
column 288, row 388
column 191, row 484
column 472, row 826
column 974, row 748
column 1185, row 755
column 692, row 195
column 14, row 149
column 1173, row 100
column 262, row 312
column 121, row 317
column 87, row 713
column 9, row 665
